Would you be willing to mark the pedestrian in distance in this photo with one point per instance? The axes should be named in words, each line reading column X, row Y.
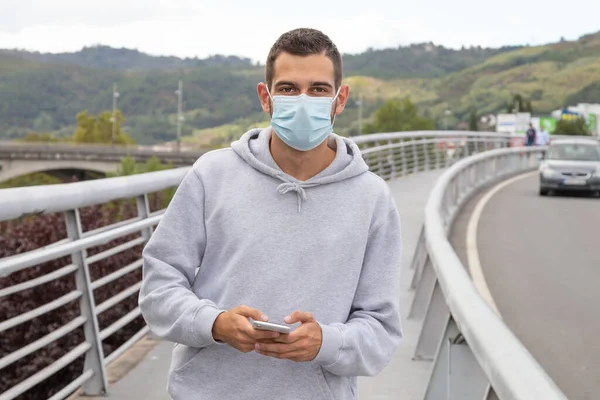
column 287, row 226
column 542, row 138
column 530, row 136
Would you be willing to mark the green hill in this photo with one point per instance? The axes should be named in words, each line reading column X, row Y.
column 43, row 92
column 424, row 60
column 551, row 76
column 125, row 59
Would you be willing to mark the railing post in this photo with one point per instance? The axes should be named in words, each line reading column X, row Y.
column 426, row 150
column 94, row 357
column 433, row 326
column 379, row 163
column 415, row 158
column 456, row 373
column 391, row 160
column 143, row 209
column 404, row 167
column 425, row 286
column 437, row 155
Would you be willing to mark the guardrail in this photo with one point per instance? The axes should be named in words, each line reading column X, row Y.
column 476, row 355
column 390, row 155
column 94, row 152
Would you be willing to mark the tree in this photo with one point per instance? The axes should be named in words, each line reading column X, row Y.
column 99, row 129
column 473, row 125
column 576, row 127
column 398, row 116
column 519, row 104
column 40, row 137
column 130, row 167
column 43, row 122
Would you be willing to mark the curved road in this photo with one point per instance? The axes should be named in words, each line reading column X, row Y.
column 541, row 260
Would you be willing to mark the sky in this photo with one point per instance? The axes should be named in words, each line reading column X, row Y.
column 247, row 28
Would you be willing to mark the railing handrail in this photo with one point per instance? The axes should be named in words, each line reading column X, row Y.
column 511, row 369
column 99, row 147
column 407, row 135
column 47, row 199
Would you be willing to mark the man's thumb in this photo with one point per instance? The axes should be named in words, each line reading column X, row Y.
column 299, row 316
column 253, row 313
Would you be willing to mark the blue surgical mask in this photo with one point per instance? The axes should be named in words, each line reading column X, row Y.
column 302, row 122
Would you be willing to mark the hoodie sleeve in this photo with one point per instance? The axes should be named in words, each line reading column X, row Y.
column 174, row 251
column 366, row 342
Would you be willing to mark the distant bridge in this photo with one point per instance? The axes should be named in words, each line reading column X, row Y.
column 18, row 159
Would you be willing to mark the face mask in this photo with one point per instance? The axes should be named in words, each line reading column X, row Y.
column 302, row 122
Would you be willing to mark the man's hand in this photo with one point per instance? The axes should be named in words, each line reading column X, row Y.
column 303, row 344
column 234, row 328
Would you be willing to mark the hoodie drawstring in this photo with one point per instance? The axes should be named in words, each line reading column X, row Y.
column 288, row 186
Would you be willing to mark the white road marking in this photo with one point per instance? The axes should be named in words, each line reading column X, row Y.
column 472, row 251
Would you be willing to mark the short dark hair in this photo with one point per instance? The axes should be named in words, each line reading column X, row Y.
column 304, row 42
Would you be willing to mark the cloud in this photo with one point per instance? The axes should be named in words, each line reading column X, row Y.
column 189, row 28
column 215, row 31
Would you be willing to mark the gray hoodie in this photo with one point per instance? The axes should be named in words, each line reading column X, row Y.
column 241, row 231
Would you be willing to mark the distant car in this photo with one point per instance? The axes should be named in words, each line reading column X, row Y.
column 571, row 165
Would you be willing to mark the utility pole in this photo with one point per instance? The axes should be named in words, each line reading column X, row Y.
column 113, row 119
column 179, row 93
column 360, row 111
column 447, row 113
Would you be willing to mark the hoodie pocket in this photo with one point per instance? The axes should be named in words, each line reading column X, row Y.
column 323, row 384
column 183, row 356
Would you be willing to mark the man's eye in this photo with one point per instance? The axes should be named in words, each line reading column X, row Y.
column 320, row 90
column 287, row 89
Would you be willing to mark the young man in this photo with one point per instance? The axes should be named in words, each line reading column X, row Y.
column 286, row 226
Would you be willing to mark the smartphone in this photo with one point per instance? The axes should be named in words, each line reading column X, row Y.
column 267, row 326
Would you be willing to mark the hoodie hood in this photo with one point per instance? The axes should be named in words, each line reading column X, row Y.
column 253, row 147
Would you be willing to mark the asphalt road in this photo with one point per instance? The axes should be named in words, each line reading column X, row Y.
column 541, row 260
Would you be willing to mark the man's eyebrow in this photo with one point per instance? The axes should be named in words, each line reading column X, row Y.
column 285, row 83
column 319, row 83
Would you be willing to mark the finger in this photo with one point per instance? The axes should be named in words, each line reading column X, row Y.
column 283, row 339
column 289, row 338
column 269, row 354
column 286, row 339
column 274, row 348
column 299, row 316
column 256, row 334
column 250, row 312
column 269, row 341
column 297, row 356
column 246, row 348
column 302, row 332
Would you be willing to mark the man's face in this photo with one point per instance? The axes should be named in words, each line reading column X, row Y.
column 312, row 75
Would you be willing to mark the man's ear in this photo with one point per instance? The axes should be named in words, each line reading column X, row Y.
column 342, row 99
column 263, row 96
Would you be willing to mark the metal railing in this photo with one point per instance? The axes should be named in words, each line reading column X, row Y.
column 67, row 151
column 475, row 355
column 389, row 155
